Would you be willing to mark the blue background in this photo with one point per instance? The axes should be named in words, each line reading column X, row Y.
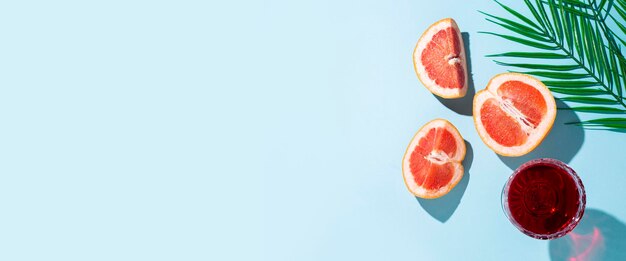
column 256, row 130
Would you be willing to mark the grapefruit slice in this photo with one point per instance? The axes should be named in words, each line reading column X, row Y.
column 432, row 163
column 439, row 60
column 514, row 113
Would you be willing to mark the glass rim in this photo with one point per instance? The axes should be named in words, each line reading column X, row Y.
column 581, row 195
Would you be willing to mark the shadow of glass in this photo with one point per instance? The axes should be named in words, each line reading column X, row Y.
column 463, row 105
column 598, row 236
column 442, row 208
column 562, row 143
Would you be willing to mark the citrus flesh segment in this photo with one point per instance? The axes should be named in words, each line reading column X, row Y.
column 495, row 120
column 439, row 176
column 521, row 95
column 446, row 72
column 431, row 166
column 514, row 113
column 439, row 60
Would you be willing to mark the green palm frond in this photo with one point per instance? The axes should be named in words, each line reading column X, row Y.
column 591, row 69
column 610, row 123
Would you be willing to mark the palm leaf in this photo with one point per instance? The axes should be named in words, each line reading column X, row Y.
column 573, row 30
column 571, row 84
column 610, row 122
column 621, row 27
column 535, row 14
column 521, row 30
column 618, row 81
column 556, row 19
column 576, row 3
column 596, row 109
column 563, row 76
column 588, row 100
column 567, row 25
column 540, row 55
column 547, row 67
column 620, row 11
column 574, row 91
column 601, row 126
column 604, row 120
column 518, row 15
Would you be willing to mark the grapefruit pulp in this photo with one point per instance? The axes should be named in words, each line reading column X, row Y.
column 514, row 113
column 439, row 60
column 431, row 166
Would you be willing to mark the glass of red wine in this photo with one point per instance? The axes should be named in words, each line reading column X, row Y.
column 544, row 198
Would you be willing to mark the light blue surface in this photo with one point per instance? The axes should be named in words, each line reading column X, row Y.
column 273, row 130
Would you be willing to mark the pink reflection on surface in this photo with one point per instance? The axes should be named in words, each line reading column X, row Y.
column 586, row 247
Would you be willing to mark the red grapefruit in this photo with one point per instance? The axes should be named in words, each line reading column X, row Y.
column 432, row 163
column 439, row 60
column 514, row 113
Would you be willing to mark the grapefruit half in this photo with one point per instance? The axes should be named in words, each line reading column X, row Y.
column 514, row 113
column 431, row 166
column 439, row 60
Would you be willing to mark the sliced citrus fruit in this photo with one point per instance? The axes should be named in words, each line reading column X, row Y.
column 432, row 163
column 439, row 60
column 514, row 113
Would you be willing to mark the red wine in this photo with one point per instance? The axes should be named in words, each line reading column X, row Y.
column 544, row 198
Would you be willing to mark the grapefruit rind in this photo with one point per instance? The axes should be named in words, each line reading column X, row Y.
column 457, row 160
column 420, row 70
column 537, row 135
